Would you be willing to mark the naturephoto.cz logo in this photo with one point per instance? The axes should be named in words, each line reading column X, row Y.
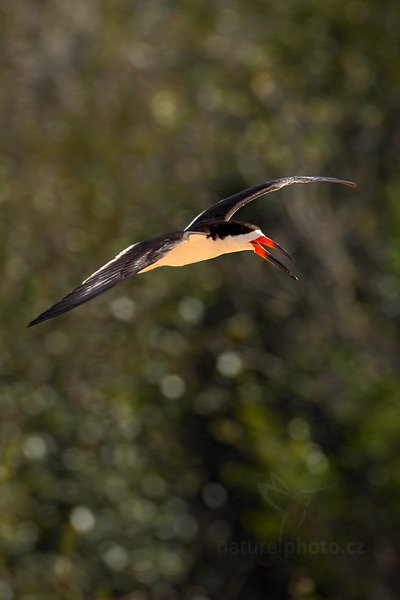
column 293, row 506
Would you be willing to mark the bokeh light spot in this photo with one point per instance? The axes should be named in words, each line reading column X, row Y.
column 229, row 364
column 82, row 519
column 172, row 386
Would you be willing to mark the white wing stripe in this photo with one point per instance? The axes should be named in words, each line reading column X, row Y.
column 195, row 219
column 110, row 262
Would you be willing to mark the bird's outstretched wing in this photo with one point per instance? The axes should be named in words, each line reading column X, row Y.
column 130, row 261
column 225, row 209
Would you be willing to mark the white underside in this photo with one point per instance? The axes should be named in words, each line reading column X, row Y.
column 199, row 247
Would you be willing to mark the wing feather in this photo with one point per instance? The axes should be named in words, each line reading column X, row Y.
column 128, row 262
column 226, row 208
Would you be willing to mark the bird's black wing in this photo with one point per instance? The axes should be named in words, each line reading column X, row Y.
column 130, row 261
column 225, row 209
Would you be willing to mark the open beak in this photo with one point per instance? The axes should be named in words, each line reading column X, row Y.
column 271, row 244
column 258, row 249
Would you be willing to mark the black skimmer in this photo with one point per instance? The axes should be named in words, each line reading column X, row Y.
column 210, row 234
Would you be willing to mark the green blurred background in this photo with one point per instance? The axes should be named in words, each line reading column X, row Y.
column 200, row 433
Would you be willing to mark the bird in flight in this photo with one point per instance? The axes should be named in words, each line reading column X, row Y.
column 210, row 234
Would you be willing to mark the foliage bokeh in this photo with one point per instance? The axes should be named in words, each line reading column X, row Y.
column 143, row 435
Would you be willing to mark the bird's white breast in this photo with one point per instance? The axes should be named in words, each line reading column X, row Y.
column 198, row 247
